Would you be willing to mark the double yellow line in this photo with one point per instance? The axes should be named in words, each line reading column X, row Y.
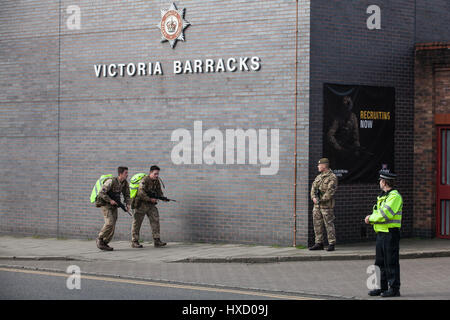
column 160, row 284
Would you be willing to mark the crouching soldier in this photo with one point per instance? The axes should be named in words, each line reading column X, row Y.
column 113, row 186
column 145, row 205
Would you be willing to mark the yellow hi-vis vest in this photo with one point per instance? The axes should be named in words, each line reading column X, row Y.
column 387, row 213
column 134, row 184
column 98, row 186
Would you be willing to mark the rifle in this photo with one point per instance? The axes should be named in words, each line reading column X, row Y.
column 116, row 198
column 318, row 194
column 155, row 196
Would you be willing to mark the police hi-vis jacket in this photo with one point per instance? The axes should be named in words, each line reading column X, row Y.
column 387, row 213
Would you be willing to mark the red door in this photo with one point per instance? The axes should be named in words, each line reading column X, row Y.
column 443, row 183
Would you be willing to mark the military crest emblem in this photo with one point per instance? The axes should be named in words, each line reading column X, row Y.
column 172, row 25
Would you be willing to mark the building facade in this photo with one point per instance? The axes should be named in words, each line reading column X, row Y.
column 230, row 108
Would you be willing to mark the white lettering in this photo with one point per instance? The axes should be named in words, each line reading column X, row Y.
column 374, row 21
column 141, row 69
column 183, row 147
column 215, row 147
column 74, row 280
column 198, row 66
column 256, row 65
column 110, row 72
column 209, row 65
column 177, row 67
column 243, row 64
column 187, row 67
column 97, row 68
column 220, row 66
column 229, row 66
column 235, row 144
column 74, row 21
column 158, row 69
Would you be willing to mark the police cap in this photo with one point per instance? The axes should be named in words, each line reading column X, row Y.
column 387, row 175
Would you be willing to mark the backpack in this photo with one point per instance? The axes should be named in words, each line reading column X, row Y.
column 98, row 186
column 134, row 184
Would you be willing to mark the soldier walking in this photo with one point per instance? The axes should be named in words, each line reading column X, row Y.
column 322, row 194
column 144, row 205
column 115, row 186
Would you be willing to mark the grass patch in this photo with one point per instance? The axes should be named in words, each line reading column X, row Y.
column 36, row 236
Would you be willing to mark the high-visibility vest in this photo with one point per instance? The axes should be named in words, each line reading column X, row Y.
column 98, row 186
column 134, row 184
column 387, row 213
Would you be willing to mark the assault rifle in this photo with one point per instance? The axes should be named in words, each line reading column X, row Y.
column 116, row 198
column 318, row 194
column 155, row 196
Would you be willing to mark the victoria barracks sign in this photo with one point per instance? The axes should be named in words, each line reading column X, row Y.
column 172, row 26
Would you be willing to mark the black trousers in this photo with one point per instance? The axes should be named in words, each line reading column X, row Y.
column 387, row 258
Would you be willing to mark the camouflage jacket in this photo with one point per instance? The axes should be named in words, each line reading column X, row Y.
column 146, row 186
column 115, row 186
column 326, row 183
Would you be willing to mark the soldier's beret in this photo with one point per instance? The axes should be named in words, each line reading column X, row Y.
column 387, row 175
column 324, row 161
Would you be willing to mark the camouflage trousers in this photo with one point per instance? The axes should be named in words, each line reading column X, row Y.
column 110, row 217
column 153, row 215
column 321, row 217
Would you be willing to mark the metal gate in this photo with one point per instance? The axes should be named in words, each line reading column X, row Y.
column 443, row 183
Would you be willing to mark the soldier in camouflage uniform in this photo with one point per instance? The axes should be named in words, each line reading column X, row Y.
column 146, row 206
column 322, row 194
column 115, row 185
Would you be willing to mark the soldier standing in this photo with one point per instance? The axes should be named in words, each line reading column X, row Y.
column 144, row 205
column 322, row 194
column 115, row 186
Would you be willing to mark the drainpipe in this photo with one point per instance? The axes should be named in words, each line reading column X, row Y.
column 295, row 127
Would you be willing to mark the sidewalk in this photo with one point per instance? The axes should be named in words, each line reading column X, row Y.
column 31, row 248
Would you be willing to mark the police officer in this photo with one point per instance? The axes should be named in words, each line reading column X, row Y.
column 322, row 194
column 115, row 185
column 146, row 206
column 386, row 220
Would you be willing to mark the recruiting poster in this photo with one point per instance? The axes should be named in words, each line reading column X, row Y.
column 358, row 131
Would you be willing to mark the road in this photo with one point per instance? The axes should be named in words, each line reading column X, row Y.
column 420, row 279
column 41, row 285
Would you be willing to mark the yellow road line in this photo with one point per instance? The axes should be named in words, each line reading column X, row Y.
column 159, row 284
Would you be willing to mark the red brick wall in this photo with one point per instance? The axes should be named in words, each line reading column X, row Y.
column 432, row 97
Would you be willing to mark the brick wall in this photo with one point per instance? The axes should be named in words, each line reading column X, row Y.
column 62, row 127
column 432, row 80
column 345, row 51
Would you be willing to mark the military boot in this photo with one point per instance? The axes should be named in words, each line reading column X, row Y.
column 317, row 246
column 99, row 243
column 103, row 246
column 136, row 244
column 158, row 243
column 330, row 247
column 107, row 248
